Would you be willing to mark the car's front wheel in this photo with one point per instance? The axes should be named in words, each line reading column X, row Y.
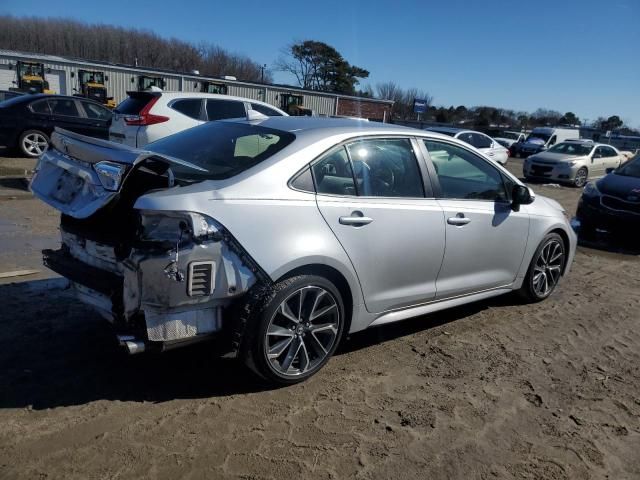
column 33, row 143
column 582, row 175
column 292, row 329
column 545, row 269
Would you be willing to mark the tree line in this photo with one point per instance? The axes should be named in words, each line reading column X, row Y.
column 130, row 46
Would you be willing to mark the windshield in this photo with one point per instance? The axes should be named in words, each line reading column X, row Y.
column 220, row 150
column 631, row 168
column 540, row 136
column 576, row 149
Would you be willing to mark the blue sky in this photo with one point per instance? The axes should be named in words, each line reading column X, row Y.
column 568, row 55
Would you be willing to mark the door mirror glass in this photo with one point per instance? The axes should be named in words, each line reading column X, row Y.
column 520, row 195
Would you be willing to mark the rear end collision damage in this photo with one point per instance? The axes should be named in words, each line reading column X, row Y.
column 162, row 278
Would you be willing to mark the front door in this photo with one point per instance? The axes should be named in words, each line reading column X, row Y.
column 372, row 196
column 97, row 118
column 485, row 238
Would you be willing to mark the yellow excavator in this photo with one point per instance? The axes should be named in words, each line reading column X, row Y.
column 30, row 78
column 92, row 86
column 292, row 104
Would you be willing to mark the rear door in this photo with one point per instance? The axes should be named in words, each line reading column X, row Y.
column 611, row 158
column 486, row 239
column 98, row 119
column 370, row 192
column 219, row 109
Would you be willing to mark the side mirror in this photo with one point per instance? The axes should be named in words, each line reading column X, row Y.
column 520, row 195
column 610, row 170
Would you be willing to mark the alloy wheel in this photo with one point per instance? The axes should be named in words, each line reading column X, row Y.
column 581, row 177
column 548, row 268
column 34, row 144
column 302, row 331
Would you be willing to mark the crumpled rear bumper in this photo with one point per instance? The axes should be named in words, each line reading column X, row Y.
column 140, row 297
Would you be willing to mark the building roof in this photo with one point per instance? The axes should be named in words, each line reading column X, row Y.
column 122, row 66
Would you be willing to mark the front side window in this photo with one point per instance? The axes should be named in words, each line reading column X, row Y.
column 221, row 109
column 64, row 106
column 333, row 174
column 269, row 112
column 463, row 175
column 219, row 150
column 608, row 152
column 386, row 168
column 189, row 106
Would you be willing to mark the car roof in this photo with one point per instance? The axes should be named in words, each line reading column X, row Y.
column 446, row 129
column 217, row 96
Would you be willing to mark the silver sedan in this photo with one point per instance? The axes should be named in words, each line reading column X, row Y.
column 283, row 235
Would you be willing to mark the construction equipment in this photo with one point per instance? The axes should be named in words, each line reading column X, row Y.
column 212, row 87
column 145, row 83
column 292, row 104
column 30, row 78
column 92, row 85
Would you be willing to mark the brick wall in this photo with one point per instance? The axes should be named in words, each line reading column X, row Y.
column 363, row 108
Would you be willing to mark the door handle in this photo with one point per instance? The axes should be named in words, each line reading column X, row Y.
column 491, row 154
column 458, row 220
column 356, row 219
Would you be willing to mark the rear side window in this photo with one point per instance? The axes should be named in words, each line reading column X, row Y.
column 333, row 174
column 191, row 107
column 480, row 141
column 96, row 112
column 269, row 112
column 133, row 104
column 219, row 150
column 41, row 106
column 386, row 168
column 221, row 109
column 64, row 107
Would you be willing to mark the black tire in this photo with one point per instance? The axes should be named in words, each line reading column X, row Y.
column 581, row 178
column 33, row 143
column 263, row 308
column 530, row 290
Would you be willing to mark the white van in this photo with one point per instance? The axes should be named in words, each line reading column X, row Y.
column 542, row 138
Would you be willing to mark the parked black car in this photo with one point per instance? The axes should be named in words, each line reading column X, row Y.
column 613, row 202
column 26, row 122
column 7, row 94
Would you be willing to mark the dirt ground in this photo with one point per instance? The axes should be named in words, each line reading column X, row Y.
column 493, row 390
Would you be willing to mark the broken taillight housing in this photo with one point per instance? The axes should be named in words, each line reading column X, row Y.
column 178, row 227
column 110, row 175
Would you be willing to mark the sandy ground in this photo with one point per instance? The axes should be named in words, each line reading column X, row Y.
column 493, row 390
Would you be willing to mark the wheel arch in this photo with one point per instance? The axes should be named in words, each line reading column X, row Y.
column 333, row 275
column 567, row 246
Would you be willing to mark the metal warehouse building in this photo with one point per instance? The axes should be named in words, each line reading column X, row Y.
column 62, row 75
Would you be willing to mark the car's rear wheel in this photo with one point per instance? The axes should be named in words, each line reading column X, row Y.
column 33, row 143
column 292, row 329
column 545, row 269
column 582, row 175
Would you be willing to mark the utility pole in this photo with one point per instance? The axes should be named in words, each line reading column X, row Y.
column 262, row 72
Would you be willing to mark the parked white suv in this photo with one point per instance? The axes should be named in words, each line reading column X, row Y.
column 144, row 117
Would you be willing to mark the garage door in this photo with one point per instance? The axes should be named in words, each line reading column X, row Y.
column 57, row 81
column 6, row 77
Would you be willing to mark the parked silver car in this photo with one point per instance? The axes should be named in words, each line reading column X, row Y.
column 288, row 233
column 574, row 162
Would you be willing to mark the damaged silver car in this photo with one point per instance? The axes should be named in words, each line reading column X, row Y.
column 282, row 235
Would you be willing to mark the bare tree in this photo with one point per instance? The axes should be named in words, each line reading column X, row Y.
column 114, row 44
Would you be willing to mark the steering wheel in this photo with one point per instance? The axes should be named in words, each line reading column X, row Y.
column 383, row 179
